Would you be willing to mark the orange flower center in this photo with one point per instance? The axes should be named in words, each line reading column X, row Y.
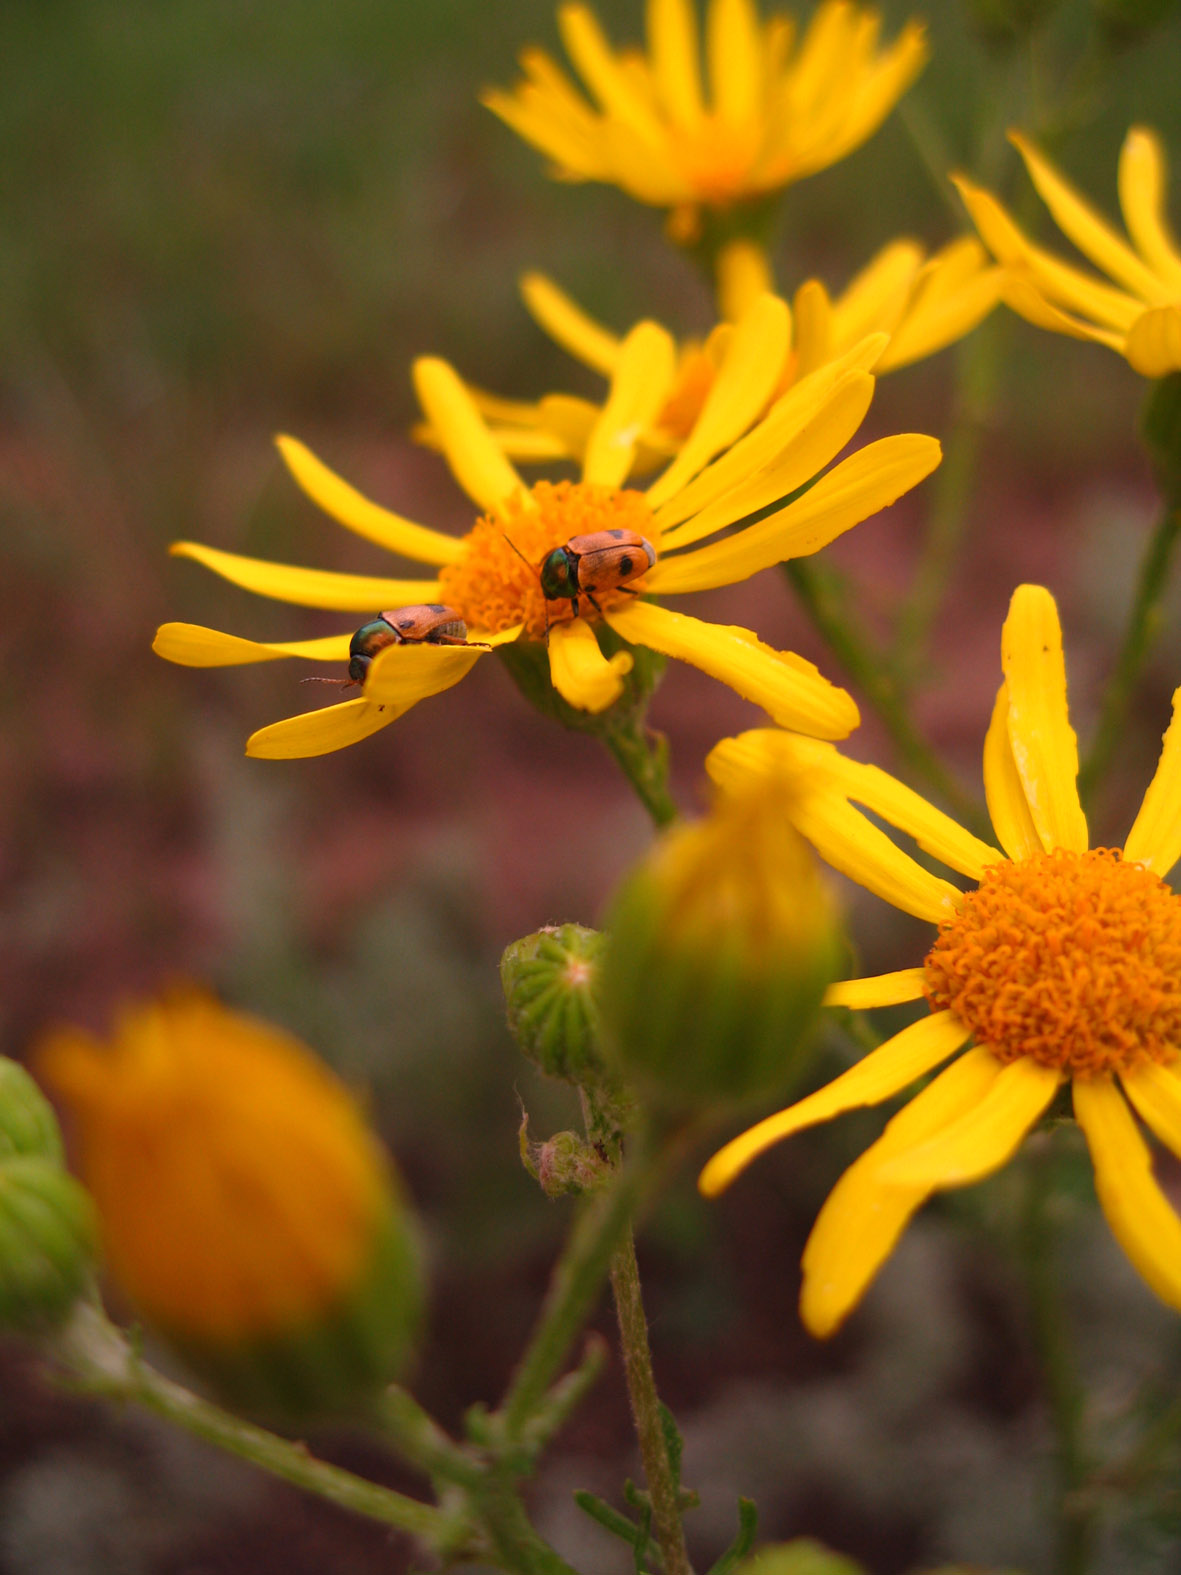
column 1072, row 959
column 717, row 157
column 496, row 583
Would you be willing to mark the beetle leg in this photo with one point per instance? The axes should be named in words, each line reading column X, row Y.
column 590, row 596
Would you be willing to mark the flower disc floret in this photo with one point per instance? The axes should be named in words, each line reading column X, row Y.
column 495, row 582
column 1072, row 960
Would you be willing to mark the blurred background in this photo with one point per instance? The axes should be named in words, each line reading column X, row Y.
column 220, row 219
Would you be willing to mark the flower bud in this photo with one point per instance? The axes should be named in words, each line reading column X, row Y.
column 802, row 1556
column 28, row 1125
column 46, row 1243
column 720, row 945
column 549, row 982
column 563, row 1164
column 245, row 1209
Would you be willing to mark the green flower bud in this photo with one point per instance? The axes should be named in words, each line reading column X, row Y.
column 802, row 1556
column 28, row 1125
column 720, row 946
column 550, row 981
column 47, row 1240
column 563, row 1164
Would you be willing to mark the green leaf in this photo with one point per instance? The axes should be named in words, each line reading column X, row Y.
column 748, row 1524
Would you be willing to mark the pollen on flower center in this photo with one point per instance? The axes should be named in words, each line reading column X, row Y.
column 1071, row 959
column 495, row 584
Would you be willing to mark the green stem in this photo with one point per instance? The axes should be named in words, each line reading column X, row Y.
column 643, row 758
column 1144, row 625
column 1064, row 1392
column 645, row 1404
column 100, row 1361
column 821, row 600
column 517, row 1546
column 977, row 376
column 576, row 1282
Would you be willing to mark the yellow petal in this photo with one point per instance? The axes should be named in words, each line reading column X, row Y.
column 862, row 1220
column 573, row 147
column 762, row 446
column 877, row 296
column 192, row 646
column 1026, row 299
column 672, row 40
column 985, row 1137
column 935, row 832
column 883, row 1073
column 1155, row 837
column 579, row 671
column 1143, row 181
column 750, row 371
column 476, row 462
column 852, row 844
column 1153, row 345
column 309, row 587
column 640, row 385
column 884, row 989
column 1069, row 286
column 1003, row 792
column 859, row 486
column 319, row 732
column 935, row 323
column 1093, row 236
column 1141, row 1217
column 568, row 325
column 842, row 835
column 1045, row 750
column 1155, row 1091
column 744, row 273
column 401, row 675
column 345, row 504
column 788, row 688
column 613, row 86
column 834, row 424
column 735, row 59
column 814, row 338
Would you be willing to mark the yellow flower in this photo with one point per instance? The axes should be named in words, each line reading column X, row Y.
column 244, row 1206
column 1062, row 965
column 738, row 458
column 916, row 305
column 771, row 117
column 1139, row 314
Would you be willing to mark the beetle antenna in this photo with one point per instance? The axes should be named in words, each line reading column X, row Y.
column 534, row 569
column 341, row 683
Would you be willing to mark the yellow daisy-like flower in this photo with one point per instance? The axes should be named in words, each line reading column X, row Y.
column 772, row 114
column 738, row 459
column 915, row 304
column 1062, row 965
column 1139, row 313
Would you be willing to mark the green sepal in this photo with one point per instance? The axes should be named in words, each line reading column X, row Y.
column 527, row 662
column 748, row 1525
column 332, row 1367
column 47, row 1243
column 28, row 1125
column 1160, row 427
column 696, row 1026
column 550, row 981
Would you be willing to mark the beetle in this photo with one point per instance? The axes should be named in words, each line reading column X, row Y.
column 604, row 560
column 426, row 623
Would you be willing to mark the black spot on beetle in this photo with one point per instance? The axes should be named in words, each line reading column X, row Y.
column 625, row 565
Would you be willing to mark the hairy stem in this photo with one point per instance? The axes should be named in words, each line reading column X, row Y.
column 645, row 1405
column 99, row 1360
column 643, row 758
column 1064, row 1392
